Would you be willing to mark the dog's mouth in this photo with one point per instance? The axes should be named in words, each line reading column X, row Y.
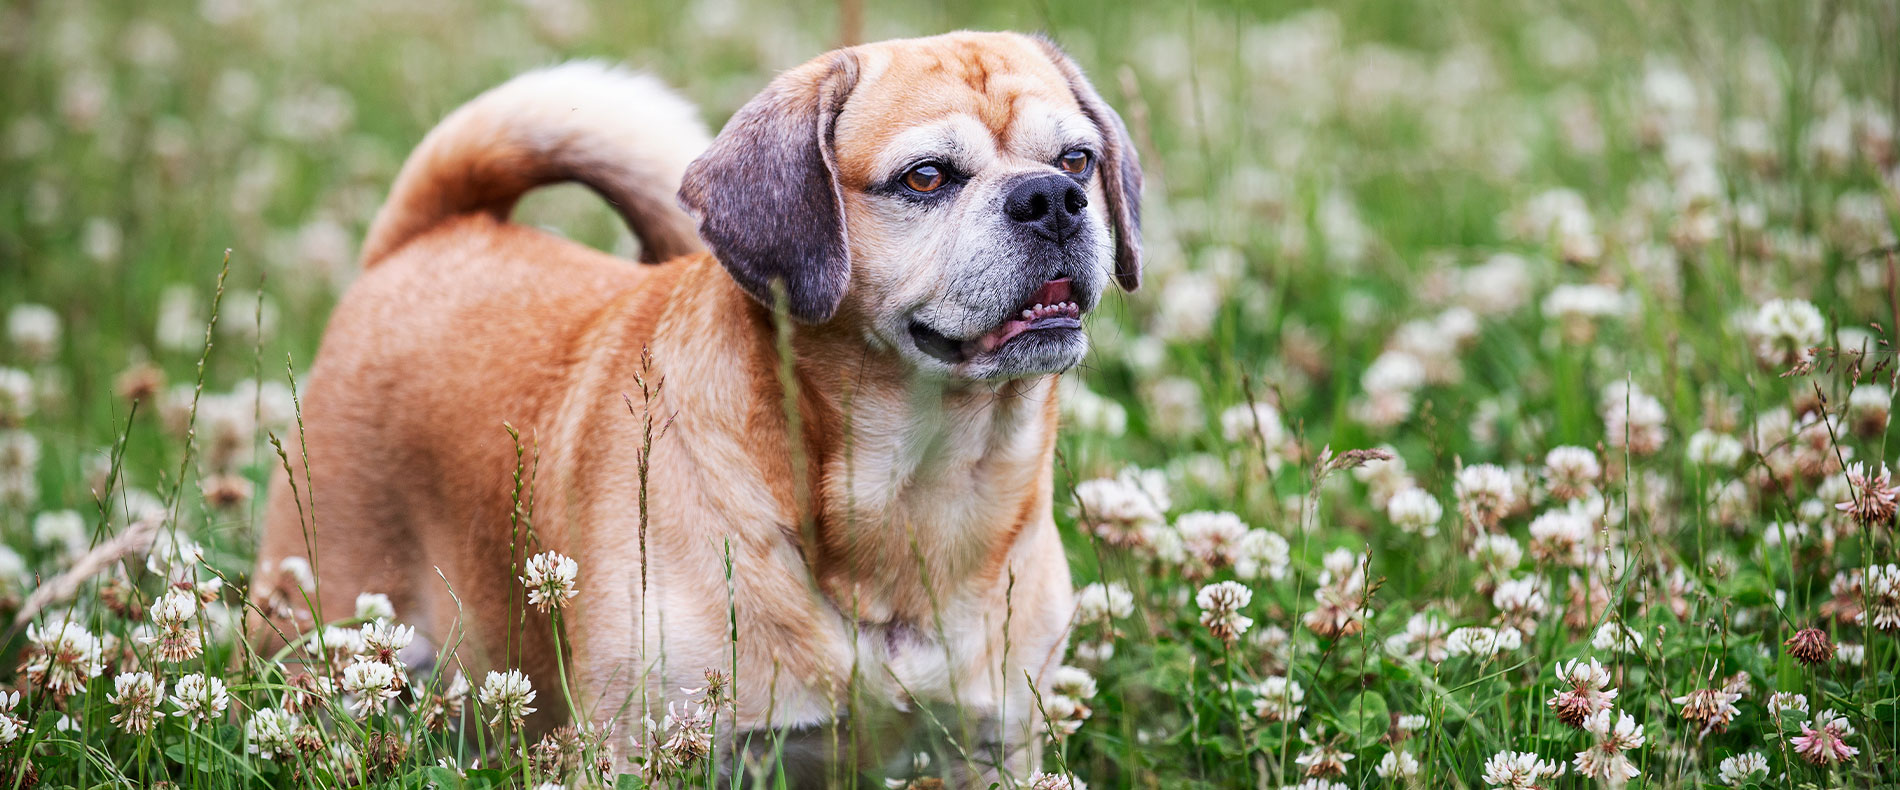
column 1049, row 309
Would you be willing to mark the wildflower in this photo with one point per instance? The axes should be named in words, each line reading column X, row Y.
column 63, row 530
column 442, row 706
column 1520, row 771
column 1785, row 331
column 63, row 657
column 1869, row 407
column 1846, row 591
column 1714, row 450
column 1784, row 701
column 138, row 695
column 1261, row 554
column 1099, row 602
column 1422, row 639
column 1317, row 784
column 1738, row 768
column 1278, row 699
column 1066, row 705
column 1497, row 553
column 199, row 698
column 549, row 577
column 1633, row 420
column 374, row 684
column 1614, row 636
column 1883, row 590
column 1521, row 603
column 16, row 397
column 508, row 694
column 1810, row 646
column 1826, row 744
column 1851, row 654
column 1397, row 764
column 1415, row 511
column 1049, row 781
column 1212, row 539
column 1589, row 692
column 1713, row 709
column 1483, row 643
column 1875, row 498
column 1220, row 604
column 178, row 637
column 1255, row 423
column 1124, row 508
column 1485, row 494
column 1340, row 600
column 33, row 329
column 1571, row 472
column 382, row 640
column 11, row 727
column 267, row 733
column 1324, row 757
column 369, row 606
column 1605, row 760
column 1576, row 309
column 1072, row 682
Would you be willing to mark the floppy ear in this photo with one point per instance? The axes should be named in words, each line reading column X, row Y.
column 766, row 195
column 1121, row 168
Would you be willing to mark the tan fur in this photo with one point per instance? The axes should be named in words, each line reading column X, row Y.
column 930, row 497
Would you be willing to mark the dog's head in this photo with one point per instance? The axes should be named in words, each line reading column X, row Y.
column 965, row 198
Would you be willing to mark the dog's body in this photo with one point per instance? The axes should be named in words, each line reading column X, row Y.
column 920, row 558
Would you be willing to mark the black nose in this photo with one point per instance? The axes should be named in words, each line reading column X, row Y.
column 1051, row 205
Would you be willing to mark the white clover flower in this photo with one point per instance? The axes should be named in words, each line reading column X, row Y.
column 63, row 530
column 1616, row 732
column 1398, row 764
column 1211, row 538
column 1785, row 329
column 1073, row 682
column 1415, row 511
column 1422, row 640
column 508, row 694
column 373, row 683
column 1614, row 636
column 267, row 733
column 1221, row 603
column 1785, row 701
column 549, row 577
column 1633, row 419
column 1485, row 494
column 1571, row 472
column 16, row 396
column 1497, row 553
column 1098, row 602
column 1561, row 537
column 1714, row 450
column 1049, row 781
column 369, row 606
column 1741, row 766
column 1122, row 509
column 199, row 698
column 1089, row 411
column 63, row 657
column 174, row 616
column 1519, row 770
column 1278, row 698
column 34, row 330
column 1483, row 643
column 385, row 639
column 1254, row 423
column 1261, row 554
column 138, row 695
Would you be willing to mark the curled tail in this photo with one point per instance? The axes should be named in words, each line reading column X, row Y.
column 623, row 134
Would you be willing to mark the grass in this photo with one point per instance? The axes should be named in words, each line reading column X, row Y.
column 1372, row 218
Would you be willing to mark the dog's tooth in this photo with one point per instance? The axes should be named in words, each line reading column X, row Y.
column 1027, row 314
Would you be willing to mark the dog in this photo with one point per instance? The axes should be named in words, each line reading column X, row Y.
column 904, row 236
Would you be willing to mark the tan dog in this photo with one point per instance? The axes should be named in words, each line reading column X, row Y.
column 941, row 213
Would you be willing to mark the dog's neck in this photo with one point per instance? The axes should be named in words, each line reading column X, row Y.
column 923, row 486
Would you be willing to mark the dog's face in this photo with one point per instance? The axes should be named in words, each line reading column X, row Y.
column 965, row 198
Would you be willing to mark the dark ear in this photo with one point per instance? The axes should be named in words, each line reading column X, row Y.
column 766, row 196
column 1121, row 168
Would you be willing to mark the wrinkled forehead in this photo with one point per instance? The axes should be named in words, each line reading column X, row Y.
column 968, row 95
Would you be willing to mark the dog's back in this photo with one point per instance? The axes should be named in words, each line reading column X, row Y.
column 466, row 322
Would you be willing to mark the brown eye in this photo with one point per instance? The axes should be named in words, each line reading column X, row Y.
column 924, row 178
column 1074, row 161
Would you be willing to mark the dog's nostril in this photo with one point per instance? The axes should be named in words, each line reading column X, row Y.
column 1075, row 200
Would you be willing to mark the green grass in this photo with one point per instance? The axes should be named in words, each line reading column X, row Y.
column 1318, row 179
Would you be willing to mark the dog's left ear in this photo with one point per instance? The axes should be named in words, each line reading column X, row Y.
column 766, row 193
column 1121, row 168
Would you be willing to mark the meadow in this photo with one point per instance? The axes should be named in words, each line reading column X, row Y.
column 1507, row 404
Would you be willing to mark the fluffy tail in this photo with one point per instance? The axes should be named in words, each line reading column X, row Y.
column 624, row 135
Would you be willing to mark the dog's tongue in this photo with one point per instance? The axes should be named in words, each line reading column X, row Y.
column 1051, row 293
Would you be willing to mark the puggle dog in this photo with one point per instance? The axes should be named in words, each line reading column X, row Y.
column 936, row 216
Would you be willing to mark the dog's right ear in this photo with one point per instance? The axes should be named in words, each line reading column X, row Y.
column 766, row 192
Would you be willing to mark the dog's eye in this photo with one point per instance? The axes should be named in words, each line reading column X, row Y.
column 1074, row 161
column 926, row 177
